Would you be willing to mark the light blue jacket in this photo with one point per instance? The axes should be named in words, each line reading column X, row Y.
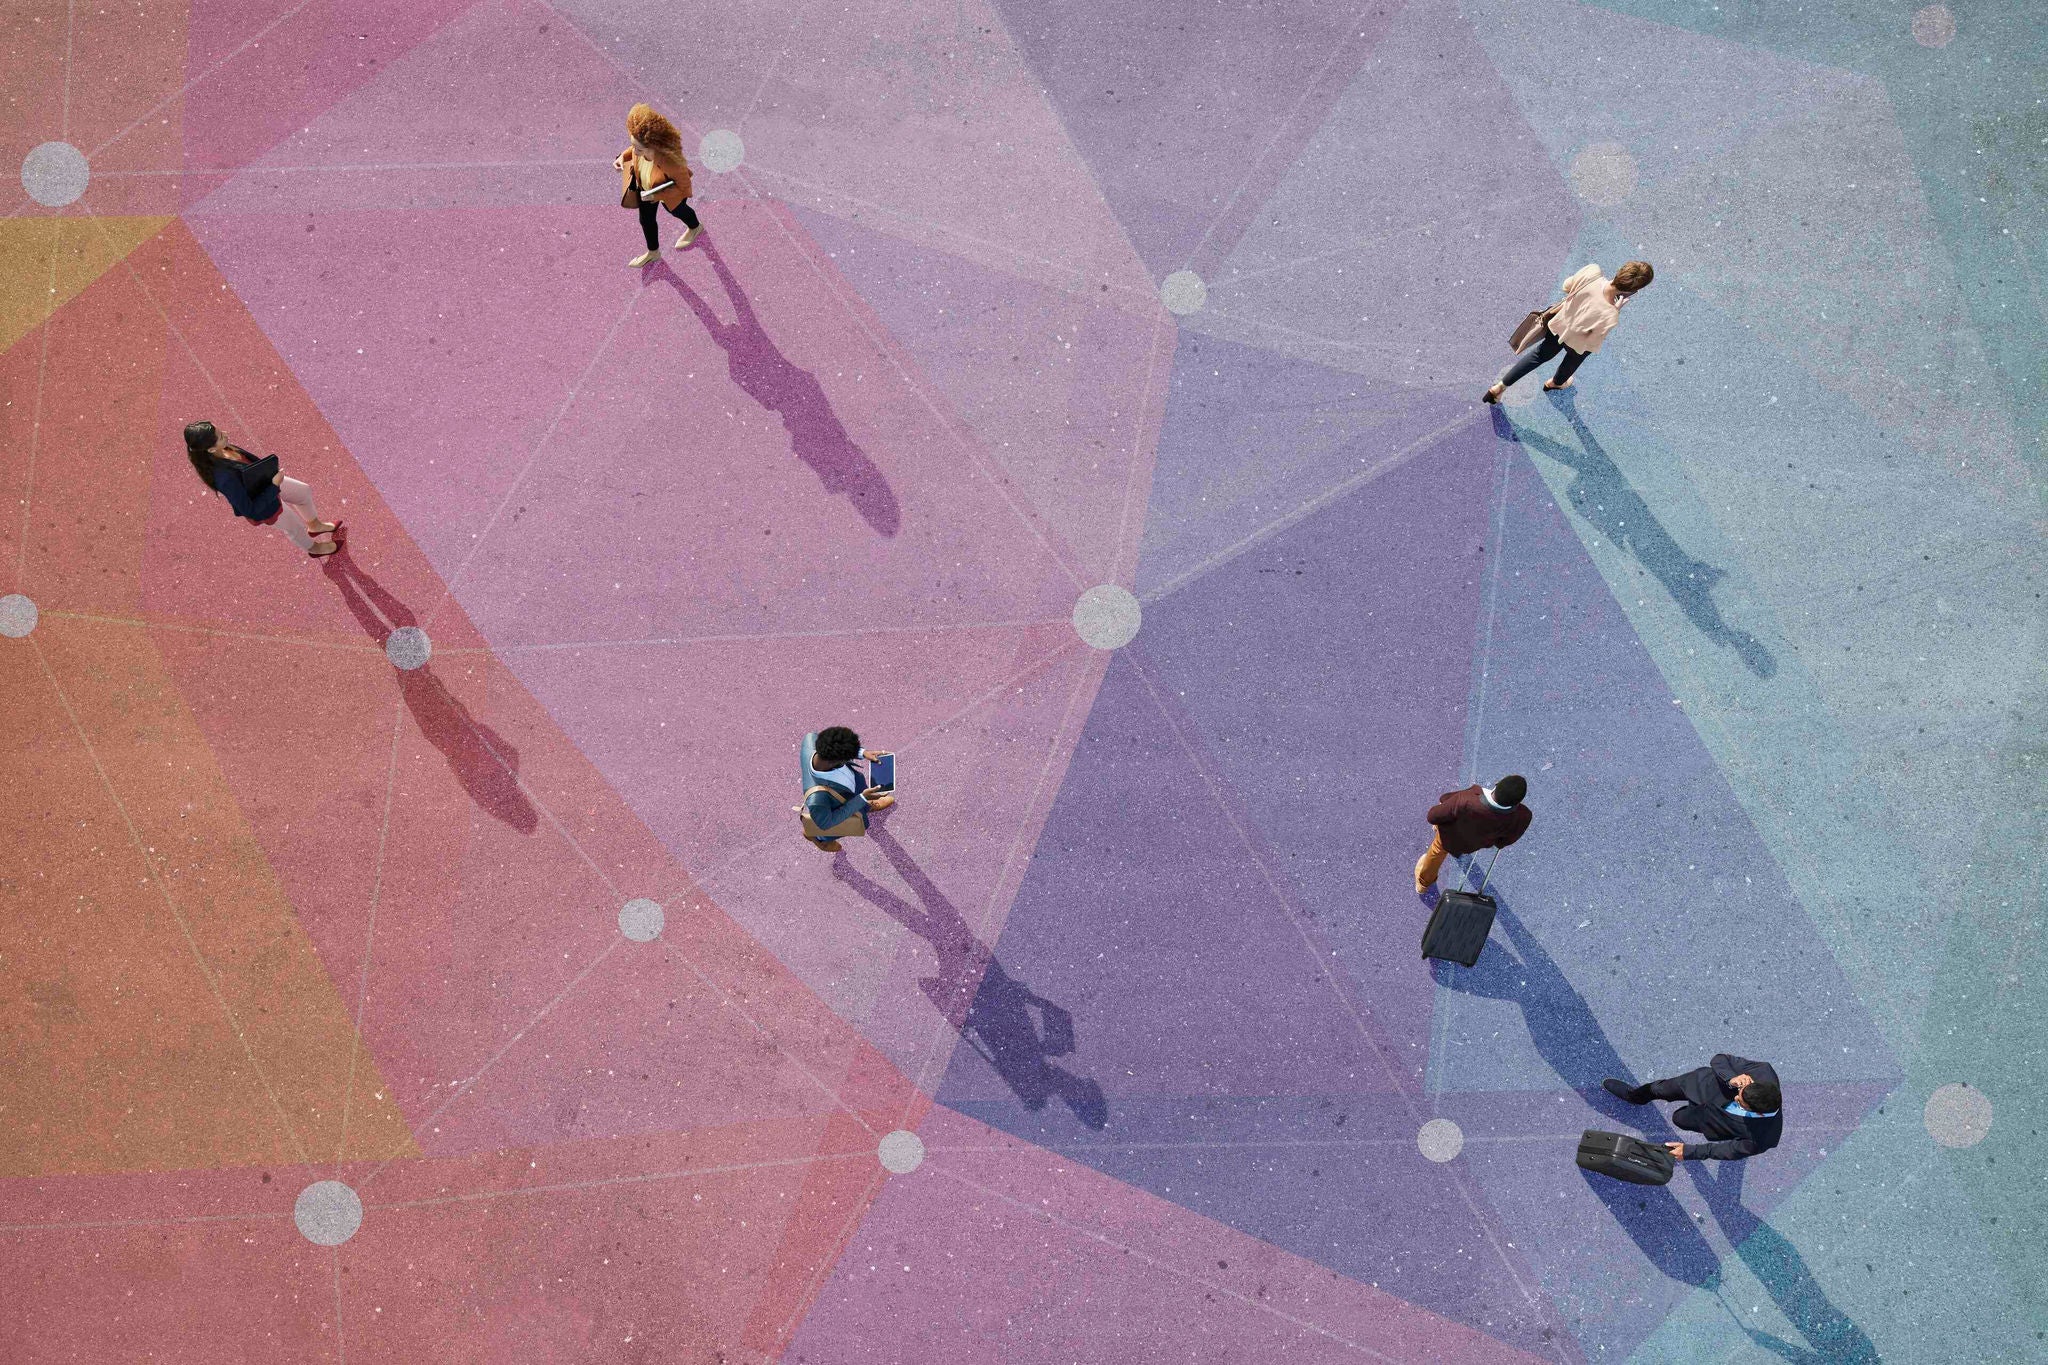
column 824, row 811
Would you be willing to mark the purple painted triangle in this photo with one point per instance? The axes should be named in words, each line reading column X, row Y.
column 1060, row 386
column 1188, row 121
column 1413, row 229
column 1252, row 441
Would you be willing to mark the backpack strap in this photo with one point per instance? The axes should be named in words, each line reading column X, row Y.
column 854, row 824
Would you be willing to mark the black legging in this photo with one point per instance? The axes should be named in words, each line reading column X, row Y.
column 1539, row 354
column 682, row 211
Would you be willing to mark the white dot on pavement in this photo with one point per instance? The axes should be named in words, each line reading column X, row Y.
column 721, row 150
column 17, row 616
column 1958, row 1115
column 641, row 919
column 1183, row 292
column 328, row 1213
column 1440, row 1139
column 1107, row 616
column 1604, row 174
column 901, row 1152
column 55, row 174
column 1934, row 26
column 409, row 648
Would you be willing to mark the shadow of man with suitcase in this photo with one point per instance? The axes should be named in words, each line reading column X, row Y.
column 1832, row 1337
column 1568, row 1036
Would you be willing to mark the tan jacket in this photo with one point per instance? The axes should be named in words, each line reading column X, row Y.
column 1586, row 316
column 649, row 172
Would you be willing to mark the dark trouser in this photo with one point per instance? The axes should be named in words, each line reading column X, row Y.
column 1686, row 1115
column 647, row 229
column 1539, row 354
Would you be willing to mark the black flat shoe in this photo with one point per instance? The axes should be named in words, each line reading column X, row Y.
column 1627, row 1094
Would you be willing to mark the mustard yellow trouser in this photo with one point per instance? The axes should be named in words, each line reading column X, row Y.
column 1432, row 859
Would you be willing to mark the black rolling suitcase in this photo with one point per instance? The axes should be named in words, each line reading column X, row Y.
column 1461, row 921
column 1625, row 1158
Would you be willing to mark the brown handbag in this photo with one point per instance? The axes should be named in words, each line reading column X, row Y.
column 851, row 827
column 629, row 196
column 1532, row 327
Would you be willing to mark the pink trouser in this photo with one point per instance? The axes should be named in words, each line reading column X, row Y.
column 299, row 499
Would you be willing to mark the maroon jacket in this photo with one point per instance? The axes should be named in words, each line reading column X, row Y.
column 1466, row 823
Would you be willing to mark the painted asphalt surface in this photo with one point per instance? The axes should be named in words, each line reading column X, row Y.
column 410, row 955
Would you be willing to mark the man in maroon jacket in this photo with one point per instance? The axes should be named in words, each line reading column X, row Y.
column 1469, row 820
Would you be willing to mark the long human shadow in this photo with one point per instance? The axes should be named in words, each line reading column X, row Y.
column 1568, row 1036
column 1832, row 1338
column 1602, row 494
column 1563, row 1027
column 816, row 435
column 1015, row 1031
column 483, row 761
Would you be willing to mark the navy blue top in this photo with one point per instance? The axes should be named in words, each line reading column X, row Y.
column 259, row 506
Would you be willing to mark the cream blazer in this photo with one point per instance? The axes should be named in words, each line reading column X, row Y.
column 1586, row 316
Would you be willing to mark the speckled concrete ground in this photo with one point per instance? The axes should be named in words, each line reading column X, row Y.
column 411, row 956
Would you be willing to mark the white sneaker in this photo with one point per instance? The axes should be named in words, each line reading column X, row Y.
column 645, row 258
column 683, row 242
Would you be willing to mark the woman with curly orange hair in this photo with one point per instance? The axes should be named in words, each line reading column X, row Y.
column 652, row 171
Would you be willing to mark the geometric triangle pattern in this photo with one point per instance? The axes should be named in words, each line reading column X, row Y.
column 49, row 261
column 410, row 953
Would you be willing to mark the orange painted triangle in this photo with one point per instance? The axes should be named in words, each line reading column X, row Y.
column 46, row 262
column 266, row 819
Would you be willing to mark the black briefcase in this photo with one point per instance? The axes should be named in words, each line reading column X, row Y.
column 1625, row 1158
column 1461, row 921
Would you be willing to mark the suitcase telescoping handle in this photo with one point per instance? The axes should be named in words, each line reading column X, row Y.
column 1465, row 874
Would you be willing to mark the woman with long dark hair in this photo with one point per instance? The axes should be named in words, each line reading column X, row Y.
column 219, row 467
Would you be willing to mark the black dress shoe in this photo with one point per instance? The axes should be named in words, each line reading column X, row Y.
column 1627, row 1094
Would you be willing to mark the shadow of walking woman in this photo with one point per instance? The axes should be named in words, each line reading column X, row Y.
column 816, row 435
column 483, row 761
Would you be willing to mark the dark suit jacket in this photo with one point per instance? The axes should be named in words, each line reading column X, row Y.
column 1467, row 823
column 1731, row 1136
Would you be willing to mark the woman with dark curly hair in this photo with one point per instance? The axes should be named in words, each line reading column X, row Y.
column 652, row 171
column 838, row 796
column 222, row 468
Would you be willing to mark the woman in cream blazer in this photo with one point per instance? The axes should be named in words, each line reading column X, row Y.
column 1577, row 326
column 652, row 171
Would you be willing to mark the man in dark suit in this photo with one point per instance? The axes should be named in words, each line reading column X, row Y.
column 1469, row 820
column 1731, row 1100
